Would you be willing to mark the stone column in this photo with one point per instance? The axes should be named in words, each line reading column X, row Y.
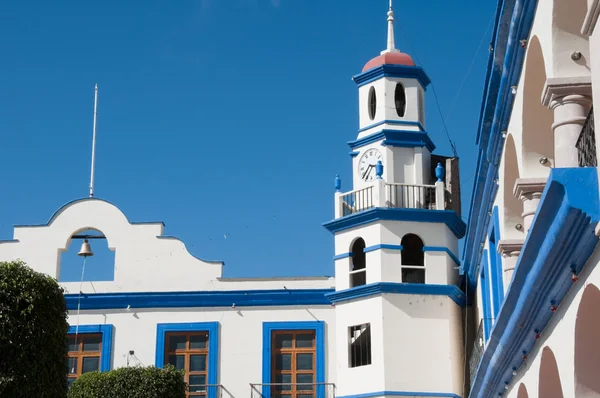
column 529, row 191
column 510, row 251
column 571, row 99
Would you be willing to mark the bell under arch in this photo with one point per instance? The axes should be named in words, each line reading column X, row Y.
column 89, row 246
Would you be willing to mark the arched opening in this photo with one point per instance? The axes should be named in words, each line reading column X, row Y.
column 400, row 99
column 358, row 273
column 567, row 21
column 372, row 103
column 549, row 383
column 513, row 207
column 522, row 392
column 413, row 259
column 98, row 267
column 587, row 344
column 538, row 137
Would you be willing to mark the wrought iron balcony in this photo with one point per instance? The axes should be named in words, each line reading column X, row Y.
column 586, row 143
column 394, row 196
column 477, row 352
column 293, row 390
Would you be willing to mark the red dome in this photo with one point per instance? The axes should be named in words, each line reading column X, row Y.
column 389, row 59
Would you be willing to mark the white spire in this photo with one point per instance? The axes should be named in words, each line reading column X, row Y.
column 391, row 47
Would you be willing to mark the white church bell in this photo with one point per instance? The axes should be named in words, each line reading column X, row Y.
column 86, row 250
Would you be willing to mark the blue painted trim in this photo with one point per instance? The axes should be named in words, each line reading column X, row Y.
column 9, row 241
column 485, row 297
column 513, row 23
column 374, row 289
column 353, row 153
column 402, row 71
column 216, row 298
column 382, row 246
column 269, row 327
column 497, row 284
column 63, row 207
column 107, row 341
column 561, row 239
column 448, row 217
column 393, row 122
column 341, row 256
column 213, row 346
column 401, row 394
column 442, row 249
column 399, row 138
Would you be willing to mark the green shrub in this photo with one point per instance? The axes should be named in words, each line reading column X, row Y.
column 33, row 329
column 135, row 382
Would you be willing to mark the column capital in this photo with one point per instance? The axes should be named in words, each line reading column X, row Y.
column 557, row 89
column 510, row 247
column 527, row 188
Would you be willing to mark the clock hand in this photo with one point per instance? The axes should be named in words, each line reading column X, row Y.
column 367, row 171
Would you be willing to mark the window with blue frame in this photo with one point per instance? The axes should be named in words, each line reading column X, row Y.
column 293, row 359
column 89, row 349
column 193, row 348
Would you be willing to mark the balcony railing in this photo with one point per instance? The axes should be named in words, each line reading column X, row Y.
column 395, row 196
column 209, row 390
column 586, row 143
column 477, row 352
column 293, row 390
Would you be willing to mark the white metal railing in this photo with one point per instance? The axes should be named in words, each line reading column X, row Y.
column 405, row 196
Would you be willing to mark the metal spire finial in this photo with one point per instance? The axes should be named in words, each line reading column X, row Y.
column 391, row 46
column 94, row 141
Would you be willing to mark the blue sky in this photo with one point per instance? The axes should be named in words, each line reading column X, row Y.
column 227, row 120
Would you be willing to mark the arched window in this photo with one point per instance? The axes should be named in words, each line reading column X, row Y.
column 372, row 102
column 413, row 259
column 358, row 272
column 400, row 99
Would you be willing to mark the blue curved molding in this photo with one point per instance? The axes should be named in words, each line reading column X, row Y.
column 217, row 298
column 107, row 341
column 401, row 394
column 341, row 256
column 401, row 71
column 393, row 122
column 448, row 217
column 374, row 289
column 382, row 246
column 513, row 23
column 560, row 241
column 400, row 138
column 72, row 202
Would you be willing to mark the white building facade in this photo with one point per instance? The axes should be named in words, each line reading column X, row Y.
column 388, row 324
column 531, row 254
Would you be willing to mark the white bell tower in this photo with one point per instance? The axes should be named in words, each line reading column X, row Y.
column 398, row 306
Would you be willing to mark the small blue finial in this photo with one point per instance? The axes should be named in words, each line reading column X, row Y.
column 379, row 169
column 338, row 183
column 439, row 173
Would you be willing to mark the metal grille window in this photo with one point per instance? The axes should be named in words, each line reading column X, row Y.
column 413, row 259
column 293, row 361
column 358, row 273
column 586, row 143
column 360, row 345
column 189, row 352
column 84, row 352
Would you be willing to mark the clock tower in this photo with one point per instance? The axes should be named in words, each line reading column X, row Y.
column 397, row 301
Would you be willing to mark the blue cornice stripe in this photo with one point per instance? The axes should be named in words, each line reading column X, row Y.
column 341, row 256
column 107, row 341
column 9, row 241
column 353, row 153
column 448, row 217
column 401, row 138
column 442, row 249
column 374, row 289
column 392, row 122
column 401, row 71
column 217, row 298
column 568, row 213
column 513, row 23
column 269, row 327
column 401, row 394
column 213, row 347
column 382, row 246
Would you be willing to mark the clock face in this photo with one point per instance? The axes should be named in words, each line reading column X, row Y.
column 367, row 163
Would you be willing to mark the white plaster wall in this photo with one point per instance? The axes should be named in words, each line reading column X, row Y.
column 240, row 337
column 362, row 379
column 363, row 105
column 423, row 344
column 559, row 335
column 404, row 167
column 343, row 244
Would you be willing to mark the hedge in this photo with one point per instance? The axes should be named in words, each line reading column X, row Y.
column 134, row 382
column 33, row 329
